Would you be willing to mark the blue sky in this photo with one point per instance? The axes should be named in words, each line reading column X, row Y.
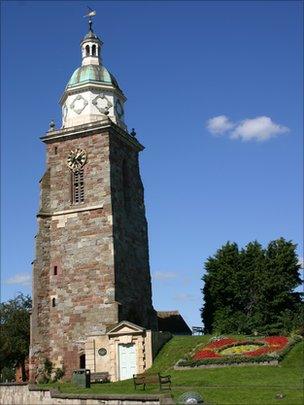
column 215, row 94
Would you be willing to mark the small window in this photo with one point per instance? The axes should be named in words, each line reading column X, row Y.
column 55, row 150
column 55, row 270
column 87, row 50
column 94, row 50
column 77, row 187
column 53, row 302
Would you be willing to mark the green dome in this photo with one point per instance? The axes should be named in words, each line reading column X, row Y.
column 92, row 74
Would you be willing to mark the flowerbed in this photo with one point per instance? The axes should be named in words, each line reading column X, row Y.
column 226, row 350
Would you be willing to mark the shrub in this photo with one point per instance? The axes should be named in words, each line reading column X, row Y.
column 48, row 367
column 7, row 374
column 58, row 374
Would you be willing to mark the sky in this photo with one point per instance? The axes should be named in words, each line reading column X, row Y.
column 215, row 95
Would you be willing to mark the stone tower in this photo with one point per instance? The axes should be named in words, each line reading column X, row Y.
column 92, row 263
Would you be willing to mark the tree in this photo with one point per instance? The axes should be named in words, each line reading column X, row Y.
column 252, row 288
column 15, row 332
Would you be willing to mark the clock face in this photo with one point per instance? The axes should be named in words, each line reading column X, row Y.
column 76, row 159
column 119, row 109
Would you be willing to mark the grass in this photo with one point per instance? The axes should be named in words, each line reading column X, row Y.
column 230, row 385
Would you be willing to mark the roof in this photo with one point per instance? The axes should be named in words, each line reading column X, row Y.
column 92, row 74
column 118, row 326
column 172, row 321
column 91, row 35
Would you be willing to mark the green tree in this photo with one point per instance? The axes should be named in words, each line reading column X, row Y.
column 252, row 288
column 15, row 332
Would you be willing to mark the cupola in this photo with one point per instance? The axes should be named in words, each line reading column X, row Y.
column 91, row 49
column 92, row 93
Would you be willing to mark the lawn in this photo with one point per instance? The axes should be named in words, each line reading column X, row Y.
column 229, row 385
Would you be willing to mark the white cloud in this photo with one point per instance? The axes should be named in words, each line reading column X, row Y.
column 301, row 262
column 24, row 279
column 250, row 129
column 184, row 297
column 259, row 129
column 219, row 124
column 164, row 275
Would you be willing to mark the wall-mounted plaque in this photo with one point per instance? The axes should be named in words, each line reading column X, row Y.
column 102, row 351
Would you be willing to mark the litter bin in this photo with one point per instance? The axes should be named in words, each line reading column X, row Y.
column 82, row 378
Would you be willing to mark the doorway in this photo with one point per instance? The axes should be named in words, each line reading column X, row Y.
column 127, row 360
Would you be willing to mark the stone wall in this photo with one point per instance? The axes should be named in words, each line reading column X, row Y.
column 147, row 344
column 22, row 394
column 158, row 340
column 78, row 241
column 132, row 271
column 92, row 262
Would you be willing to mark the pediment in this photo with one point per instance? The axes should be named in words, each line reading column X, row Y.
column 125, row 328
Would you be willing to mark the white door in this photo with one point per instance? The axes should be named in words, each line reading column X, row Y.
column 127, row 361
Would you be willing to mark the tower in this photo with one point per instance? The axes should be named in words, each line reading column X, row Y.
column 92, row 263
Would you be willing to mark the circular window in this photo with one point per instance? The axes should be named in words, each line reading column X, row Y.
column 102, row 351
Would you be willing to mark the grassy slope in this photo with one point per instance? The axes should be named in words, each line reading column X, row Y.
column 229, row 385
column 235, row 385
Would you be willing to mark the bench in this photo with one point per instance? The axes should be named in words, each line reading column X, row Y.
column 100, row 377
column 164, row 381
column 197, row 330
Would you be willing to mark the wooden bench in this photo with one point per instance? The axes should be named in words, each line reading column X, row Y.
column 164, row 381
column 100, row 377
column 197, row 330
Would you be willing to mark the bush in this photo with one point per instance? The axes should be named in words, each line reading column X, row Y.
column 59, row 373
column 48, row 367
column 42, row 379
column 7, row 374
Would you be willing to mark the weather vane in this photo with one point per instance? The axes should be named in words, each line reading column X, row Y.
column 90, row 14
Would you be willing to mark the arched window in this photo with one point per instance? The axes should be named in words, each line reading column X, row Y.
column 87, row 50
column 77, row 187
column 53, row 302
column 94, row 50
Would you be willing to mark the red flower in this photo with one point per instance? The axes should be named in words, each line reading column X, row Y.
column 270, row 344
column 258, row 352
column 220, row 343
column 209, row 351
column 206, row 354
column 276, row 342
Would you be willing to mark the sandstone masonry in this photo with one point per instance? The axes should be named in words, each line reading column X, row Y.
column 92, row 262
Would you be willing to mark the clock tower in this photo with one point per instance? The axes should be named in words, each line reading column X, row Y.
column 91, row 269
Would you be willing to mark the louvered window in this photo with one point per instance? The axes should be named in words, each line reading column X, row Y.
column 77, row 187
